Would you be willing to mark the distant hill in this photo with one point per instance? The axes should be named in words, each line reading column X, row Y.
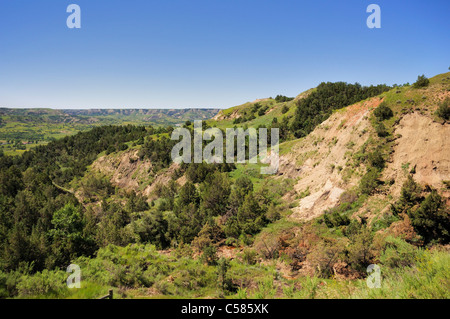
column 185, row 114
column 42, row 125
column 156, row 116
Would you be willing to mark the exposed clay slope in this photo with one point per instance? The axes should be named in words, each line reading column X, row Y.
column 320, row 161
column 128, row 172
column 423, row 144
column 125, row 169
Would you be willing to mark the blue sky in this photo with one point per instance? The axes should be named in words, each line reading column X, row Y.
column 210, row 53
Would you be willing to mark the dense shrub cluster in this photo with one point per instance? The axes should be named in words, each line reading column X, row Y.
column 428, row 214
column 282, row 98
column 41, row 221
column 443, row 110
column 383, row 112
column 422, row 81
column 319, row 105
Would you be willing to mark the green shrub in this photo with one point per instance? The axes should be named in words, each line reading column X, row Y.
column 380, row 129
column 398, row 253
column 410, row 193
column 42, row 284
column 110, row 149
column 443, row 110
column 282, row 98
column 334, row 219
column 123, row 147
column 410, row 196
column 432, row 219
column 422, row 81
column 262, row 111
column 376, row 159
column 251, row 216
column 273, row 213
column 265, row 290
column 384, row 221
column 383, row 112
column 369, row 182
column 222, row 268
column 241, row 293
column 249, row 256
column 360, row 252
column 209, row 255
column 8, row 284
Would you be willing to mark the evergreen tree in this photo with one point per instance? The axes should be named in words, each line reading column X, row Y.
column 432, row 219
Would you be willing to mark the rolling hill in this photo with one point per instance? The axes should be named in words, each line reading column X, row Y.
column 22, row 129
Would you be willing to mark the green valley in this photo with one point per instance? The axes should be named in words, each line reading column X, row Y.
column 23, row 129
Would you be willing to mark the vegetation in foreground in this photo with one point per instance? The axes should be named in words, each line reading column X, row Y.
column 139, row 271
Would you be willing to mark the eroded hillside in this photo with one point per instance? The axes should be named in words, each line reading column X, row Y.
column 423, row 145
column 323, row 163
column 327, row 162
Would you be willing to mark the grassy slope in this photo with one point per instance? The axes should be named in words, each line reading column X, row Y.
column 274, row 110
column 179, row 276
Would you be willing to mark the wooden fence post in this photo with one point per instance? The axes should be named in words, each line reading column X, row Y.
column 108, row 296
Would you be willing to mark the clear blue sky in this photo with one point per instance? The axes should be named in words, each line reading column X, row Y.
column 209, row 53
